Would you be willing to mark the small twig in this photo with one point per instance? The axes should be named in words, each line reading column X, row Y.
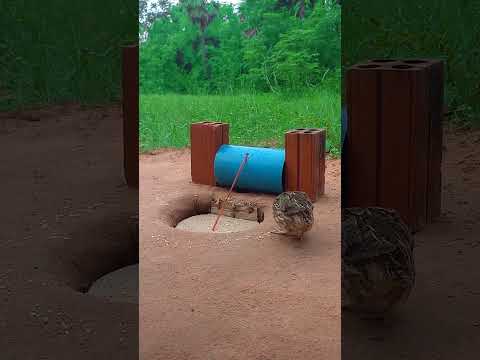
column 220, row 203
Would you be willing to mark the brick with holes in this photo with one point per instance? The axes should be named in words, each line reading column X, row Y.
column 206, row 137
column 305, row 161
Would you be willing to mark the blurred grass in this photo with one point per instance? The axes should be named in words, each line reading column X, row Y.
column 58, row 50
column 449, row 30
column 255, row 119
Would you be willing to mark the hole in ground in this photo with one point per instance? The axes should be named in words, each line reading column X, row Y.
column 198, row 213
column 103, row 250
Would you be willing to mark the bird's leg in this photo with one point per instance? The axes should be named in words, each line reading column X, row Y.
column 282, row 232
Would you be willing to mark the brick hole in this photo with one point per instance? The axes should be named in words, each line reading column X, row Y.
column 383, row 60
column 402, row 66
column 415, row 61
column 368, row 66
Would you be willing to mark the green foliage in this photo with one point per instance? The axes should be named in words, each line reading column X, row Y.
column 431, row 28
column 265, row 67
column 256, row 119
column 63, row 50
column 268, row 45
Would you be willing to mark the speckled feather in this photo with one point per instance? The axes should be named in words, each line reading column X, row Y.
column 377, row 259
column 293, row 212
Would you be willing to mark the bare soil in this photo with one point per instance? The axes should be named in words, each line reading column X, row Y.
column 65, row 213
column 241, row 295
column 441, row 320
column 250, row 295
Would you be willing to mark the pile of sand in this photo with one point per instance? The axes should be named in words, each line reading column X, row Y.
column 204, row 223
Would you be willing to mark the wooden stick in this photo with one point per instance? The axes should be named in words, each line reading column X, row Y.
column 230, row 191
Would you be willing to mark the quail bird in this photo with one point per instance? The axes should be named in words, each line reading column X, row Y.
column 378, row 269
column 293, row 212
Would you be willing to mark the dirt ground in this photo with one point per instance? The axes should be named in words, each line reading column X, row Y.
column 64, row 223
column 246, row 295
column 441, row 320
column 65, row 211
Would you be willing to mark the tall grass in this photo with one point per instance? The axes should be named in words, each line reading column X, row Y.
column 449, row 30
column 63, row 50
column 255, row 119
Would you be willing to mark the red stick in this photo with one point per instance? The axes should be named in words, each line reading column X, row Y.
column 231, row 189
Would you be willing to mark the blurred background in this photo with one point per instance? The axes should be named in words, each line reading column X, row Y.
column 63, row 51
column 431, row 28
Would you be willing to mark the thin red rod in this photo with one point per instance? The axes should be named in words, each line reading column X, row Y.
column 231, row 189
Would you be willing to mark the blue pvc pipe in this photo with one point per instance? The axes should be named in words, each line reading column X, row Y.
column 263, row 171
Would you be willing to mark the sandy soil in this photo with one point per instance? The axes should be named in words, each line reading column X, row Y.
column 64, row 223
column 247, row 295
column 442, row 318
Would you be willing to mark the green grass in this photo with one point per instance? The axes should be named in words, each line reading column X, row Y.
column 255, row 120
column 441, row 29
column 63, row 50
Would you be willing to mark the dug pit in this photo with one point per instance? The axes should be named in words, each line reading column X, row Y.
column 199, row 213
column 108, row 268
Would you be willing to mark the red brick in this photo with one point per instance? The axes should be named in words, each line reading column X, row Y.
column 393, row 153
column 435, row 133
column 305, row 161
column 292, row 166
column 436, row 110
column 403, row 133
column 361, row 160
column 205, row 139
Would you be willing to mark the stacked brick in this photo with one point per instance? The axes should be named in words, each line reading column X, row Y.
column 305, row 161
column 394, row 137
column 206, row 137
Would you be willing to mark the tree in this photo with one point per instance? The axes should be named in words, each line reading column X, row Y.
column 149, row 12
column 202, row 13
column 202, row 46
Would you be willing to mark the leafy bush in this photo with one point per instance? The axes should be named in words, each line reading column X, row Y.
column 205, row 47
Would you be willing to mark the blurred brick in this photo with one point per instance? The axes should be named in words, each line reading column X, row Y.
column 362, row 154
column 436, row 110
column 130, row 114
column 394, row 137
